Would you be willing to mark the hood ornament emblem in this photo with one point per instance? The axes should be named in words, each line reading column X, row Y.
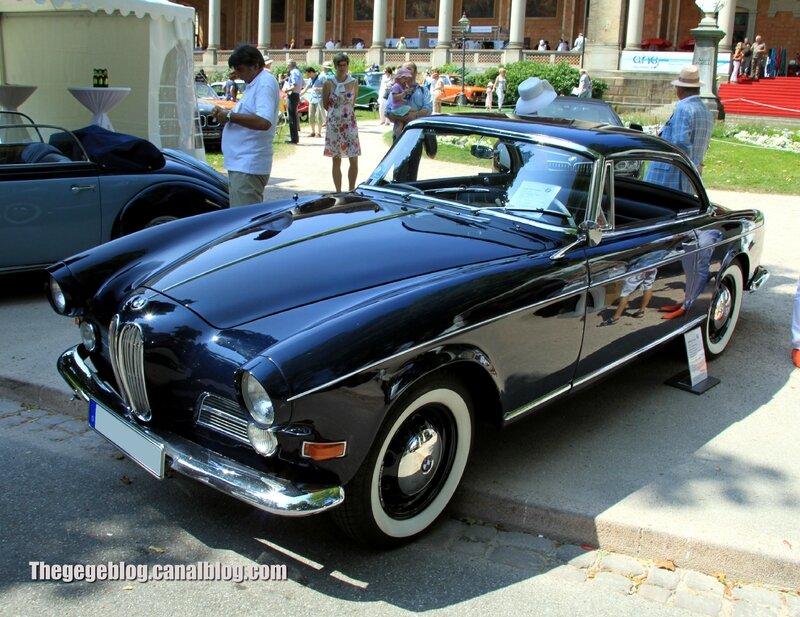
column 137, row 302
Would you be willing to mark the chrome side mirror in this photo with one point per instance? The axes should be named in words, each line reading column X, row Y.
column 592, row 232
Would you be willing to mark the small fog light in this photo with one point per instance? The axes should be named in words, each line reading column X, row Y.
column 262, row 439
column 88, row 336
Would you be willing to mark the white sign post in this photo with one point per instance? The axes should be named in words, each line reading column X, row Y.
column 696, row 379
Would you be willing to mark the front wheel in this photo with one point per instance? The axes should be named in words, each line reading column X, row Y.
column 414, row 467
column 723, row 314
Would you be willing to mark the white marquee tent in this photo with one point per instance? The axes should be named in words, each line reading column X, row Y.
column 146, row 45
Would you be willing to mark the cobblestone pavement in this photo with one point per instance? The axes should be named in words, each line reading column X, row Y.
column 660, row 583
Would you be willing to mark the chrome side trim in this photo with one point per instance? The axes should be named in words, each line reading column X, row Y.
column 519, row 411
column 434, row 341
column 591, row 376
column 267, row 492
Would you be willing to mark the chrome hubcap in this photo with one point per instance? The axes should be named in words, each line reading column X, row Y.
column 419, row 460
column 722, row 306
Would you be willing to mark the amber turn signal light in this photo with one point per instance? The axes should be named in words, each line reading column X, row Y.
column 324, row 451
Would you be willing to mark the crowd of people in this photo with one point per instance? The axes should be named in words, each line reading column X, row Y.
column 250, row 126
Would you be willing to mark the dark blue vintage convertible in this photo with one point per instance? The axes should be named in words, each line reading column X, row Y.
column 337, row 352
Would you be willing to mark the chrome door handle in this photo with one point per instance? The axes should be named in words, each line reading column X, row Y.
column 78, row 189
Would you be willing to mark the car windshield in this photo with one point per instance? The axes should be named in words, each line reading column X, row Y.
column 204, row 91
column 573, row 108
column 39, row 143
column 545, row 182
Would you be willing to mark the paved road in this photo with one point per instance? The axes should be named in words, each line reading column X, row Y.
column 71, row 498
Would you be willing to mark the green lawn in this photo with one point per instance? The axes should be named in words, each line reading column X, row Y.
column 735, row 166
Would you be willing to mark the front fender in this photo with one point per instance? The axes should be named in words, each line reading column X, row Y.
column 355, row 409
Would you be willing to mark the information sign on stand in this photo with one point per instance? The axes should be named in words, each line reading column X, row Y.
column 696, row 379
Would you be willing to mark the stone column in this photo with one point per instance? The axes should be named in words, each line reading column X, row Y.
column 375, row 52
column 379, row 24
column 633, row 37
column 727, row 16
column 516, row 29
column 318, row 27
column 264, row 25
column 705, row 57
column 445, row 35
column 603, row 35
column 214, row 18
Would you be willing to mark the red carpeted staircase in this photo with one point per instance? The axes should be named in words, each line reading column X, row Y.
column 778, row 96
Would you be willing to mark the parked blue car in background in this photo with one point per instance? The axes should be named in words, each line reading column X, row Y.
column 65, row 191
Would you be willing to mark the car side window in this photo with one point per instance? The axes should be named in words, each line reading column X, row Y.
column 650, row 190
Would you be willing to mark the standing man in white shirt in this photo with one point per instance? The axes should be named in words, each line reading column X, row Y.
column 249, row 128
column 295, row 81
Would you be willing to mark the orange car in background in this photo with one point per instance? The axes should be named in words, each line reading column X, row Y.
column 475, row 95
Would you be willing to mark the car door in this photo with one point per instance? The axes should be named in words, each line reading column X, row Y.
column 49, row 210
column 639, row 272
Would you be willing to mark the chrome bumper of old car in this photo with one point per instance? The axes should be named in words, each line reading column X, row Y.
column 760, row 277
column 267, row 492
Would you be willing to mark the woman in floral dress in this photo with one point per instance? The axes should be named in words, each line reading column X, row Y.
column 341, row 131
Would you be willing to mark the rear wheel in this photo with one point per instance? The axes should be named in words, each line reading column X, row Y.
column 414, row 466
column 723, row 314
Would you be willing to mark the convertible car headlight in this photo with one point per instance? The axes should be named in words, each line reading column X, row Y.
column 58, row 298
column 257, row 401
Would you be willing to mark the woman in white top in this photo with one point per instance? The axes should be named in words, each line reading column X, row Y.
column 500, row 83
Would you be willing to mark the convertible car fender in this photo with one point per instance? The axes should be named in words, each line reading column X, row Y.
column 164, row 201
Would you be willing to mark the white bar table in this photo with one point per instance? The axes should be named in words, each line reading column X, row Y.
column 100, row 101
column 12, row 96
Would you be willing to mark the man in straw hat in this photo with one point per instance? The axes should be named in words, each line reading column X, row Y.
column 689, row 128
column 533, row 94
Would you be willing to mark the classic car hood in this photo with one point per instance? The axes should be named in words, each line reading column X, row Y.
column 323, row 249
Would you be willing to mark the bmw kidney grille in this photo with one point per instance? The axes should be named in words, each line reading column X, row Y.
column 126, row 345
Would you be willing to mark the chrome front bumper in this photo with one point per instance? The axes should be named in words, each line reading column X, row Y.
column 266, row 492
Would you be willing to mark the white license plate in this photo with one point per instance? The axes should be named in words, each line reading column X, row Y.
column 132, row 441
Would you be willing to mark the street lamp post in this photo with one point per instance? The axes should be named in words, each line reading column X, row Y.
column 464, row 23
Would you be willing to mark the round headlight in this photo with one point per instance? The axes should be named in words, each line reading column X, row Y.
column 257, row 401
column 57, row 297
column 264, row 442
column 88, row 336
